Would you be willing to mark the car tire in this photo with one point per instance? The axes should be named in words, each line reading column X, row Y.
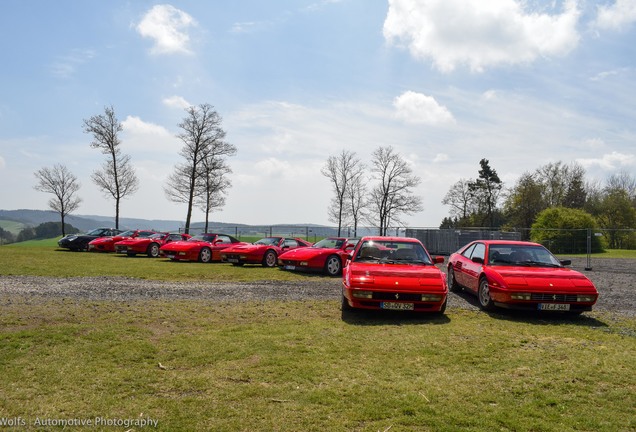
column 443, row 308
column 333, row 265
column 452, row 282
column 269, row 259
column 483, row 295
column 345, row 307
column 153, row 250
column 205, row 256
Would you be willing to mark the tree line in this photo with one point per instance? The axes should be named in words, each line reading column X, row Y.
column 201, row 180
column 555, row 195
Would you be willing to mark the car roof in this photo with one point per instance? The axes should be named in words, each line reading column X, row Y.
column 507, row 242
column 390, row 239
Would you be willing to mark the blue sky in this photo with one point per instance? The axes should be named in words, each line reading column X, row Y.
column 445, row 82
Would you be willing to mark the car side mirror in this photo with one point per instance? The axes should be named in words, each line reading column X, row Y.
column 566, row 262
column 478, row 260
column 438, row 260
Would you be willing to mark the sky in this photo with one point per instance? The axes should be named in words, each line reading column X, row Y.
column 444, row 82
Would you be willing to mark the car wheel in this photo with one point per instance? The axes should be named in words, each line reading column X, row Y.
column 452, row 282
column 333, row 265
column 485, row 302
column 269, row 260
column 205, row 256
column 153, row 250
column 443, row 308
column 345, row 305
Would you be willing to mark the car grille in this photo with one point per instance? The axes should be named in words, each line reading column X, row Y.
column 396, row 296
column 554, row 297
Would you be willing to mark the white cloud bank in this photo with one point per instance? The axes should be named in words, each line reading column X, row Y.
column 167, row 27
column 417, row 108
column 479, row 34
column 611, row 161
column 176, row 102
column 616, row 16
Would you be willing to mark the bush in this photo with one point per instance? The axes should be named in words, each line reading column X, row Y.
column 564, row 230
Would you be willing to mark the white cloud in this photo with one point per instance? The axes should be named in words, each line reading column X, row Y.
column 2, row 163
column 440, row 157
column 617, row 16
column 141, row 136
column 610, row 161
column 418, row 108
column 176, row 102
column 167, row 27
column 479, row 34
column 65, row 66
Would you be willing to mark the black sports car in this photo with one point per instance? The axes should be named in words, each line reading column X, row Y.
column 79, row 242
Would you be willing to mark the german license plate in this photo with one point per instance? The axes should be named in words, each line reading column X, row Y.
column 290, row 267
column 554, row 307
column 397, row 306
column 171, row 256
column 232, row 260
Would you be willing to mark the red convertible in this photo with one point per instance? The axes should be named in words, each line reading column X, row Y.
column 202, row 247
column 519, row 275
column 328, row 255
column 393, row 273
column 264, row 252
column 148, row 245
column 107, row 244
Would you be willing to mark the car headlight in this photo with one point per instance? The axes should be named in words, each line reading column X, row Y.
column 520, row 296
column 362, row 294
column 431, row 297
column 304, row 263
column 585, row 298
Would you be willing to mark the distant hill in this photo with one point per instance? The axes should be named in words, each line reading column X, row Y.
column 88, row 222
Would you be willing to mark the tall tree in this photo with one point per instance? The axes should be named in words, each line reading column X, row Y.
column 392, row 196
column 524, row 202
column 117, row 176
column 356, row 197
column 213, row 183
column 460, row 200
column 201, row 132
column 485, row 190
column 341, row 170
column 60, row 182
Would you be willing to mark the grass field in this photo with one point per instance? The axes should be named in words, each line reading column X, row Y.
column 297, row 366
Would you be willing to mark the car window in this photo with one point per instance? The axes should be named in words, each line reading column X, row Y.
column 479, row 251
column 224, row 239
column 468, row 252
column 393, row 252
column 290, row 243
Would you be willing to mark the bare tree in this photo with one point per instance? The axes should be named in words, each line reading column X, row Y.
column 392, row 196
column 202, row 134
column 356, row 196
column 460, row 200
column 117, row 176
column 60, row 182
column 341, row 170
column 213, row 182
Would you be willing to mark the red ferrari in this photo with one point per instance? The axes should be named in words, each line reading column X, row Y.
column 393, row 273
column 519, row 275
column 264, row 252
column 148, row 245
column 202, row 247
column 107, row 244
column 328, row 255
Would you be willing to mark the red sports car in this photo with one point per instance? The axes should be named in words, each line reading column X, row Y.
column 148, row 245
column 519, row 275
column 393, row 273
column 202, row 247
column 265, row 251
column 328, row 255
column 107, row 244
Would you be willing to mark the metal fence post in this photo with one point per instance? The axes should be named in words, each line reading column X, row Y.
column 589, row 249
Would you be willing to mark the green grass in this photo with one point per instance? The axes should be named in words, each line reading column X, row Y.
column 609, row 253
column 43, row 258
column 290, row 366
column 12, row 226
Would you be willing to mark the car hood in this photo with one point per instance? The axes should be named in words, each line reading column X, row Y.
column 306, row 252
column 396, row 276
column 247, row 247
column 541, row 278
column 183, row 245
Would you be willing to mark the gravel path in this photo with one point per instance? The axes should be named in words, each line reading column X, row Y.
column 616, row 283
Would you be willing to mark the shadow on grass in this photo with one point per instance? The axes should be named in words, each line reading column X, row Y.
column 367, row 317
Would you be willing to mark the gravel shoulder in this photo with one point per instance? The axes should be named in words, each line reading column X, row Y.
column 615, row 280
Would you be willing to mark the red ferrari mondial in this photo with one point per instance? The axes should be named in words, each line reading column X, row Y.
column 519, row 275
column 148, row 245
column 328, row 255
column 107, row 244
column 394, row 273
column 264, row 252
column 202, row 247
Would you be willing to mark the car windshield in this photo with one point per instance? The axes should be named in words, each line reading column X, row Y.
column 156, row 236
column 96, row 232
column 127, row 233
column 526, row 255
column 203, row 237
column 329, row 243
column 393, row 252
column 269, row 241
